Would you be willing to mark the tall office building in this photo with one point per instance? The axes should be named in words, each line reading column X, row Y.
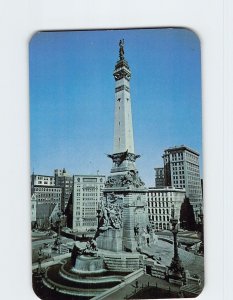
column 159, row 177
column 64, row 180
column 87, row 193
column 181, row 170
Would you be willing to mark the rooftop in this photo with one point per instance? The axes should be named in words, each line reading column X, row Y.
column 42, row 175
column 47, row 186
column 181, row 148
column 166, row 189
column 95, row 175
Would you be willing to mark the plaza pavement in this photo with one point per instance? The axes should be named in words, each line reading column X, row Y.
column 164, row 251
column 143, row 281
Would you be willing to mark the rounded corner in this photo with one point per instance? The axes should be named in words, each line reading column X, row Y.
column 35, row 294
column 33, row 36
column 194, row 33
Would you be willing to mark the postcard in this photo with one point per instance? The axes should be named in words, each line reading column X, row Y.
column 116, row 164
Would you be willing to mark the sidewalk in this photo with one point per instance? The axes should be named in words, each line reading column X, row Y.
column 143, row 281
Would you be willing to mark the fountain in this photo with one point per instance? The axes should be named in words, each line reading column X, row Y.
column 84, row 275
column 86, row 261
column 88, row 265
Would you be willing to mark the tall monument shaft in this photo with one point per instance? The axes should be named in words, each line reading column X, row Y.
column 123, row 127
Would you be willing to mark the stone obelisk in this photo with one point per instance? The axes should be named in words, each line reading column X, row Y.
column 124, row 207
column 123, row 126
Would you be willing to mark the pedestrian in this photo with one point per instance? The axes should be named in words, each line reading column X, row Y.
column 136, row 283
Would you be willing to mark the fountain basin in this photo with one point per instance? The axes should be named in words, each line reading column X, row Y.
column 90, row 281
column 88, row 265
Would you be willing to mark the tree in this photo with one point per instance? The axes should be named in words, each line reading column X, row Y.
column 187, row 218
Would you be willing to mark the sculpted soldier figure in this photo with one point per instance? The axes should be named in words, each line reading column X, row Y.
column 121, row 50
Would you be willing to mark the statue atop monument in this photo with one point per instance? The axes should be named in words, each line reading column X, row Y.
column 121, row 50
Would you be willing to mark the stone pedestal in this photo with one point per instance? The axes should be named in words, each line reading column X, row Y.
column 110, row 239
column 121, row 261
column 88, row 265
column 129, row 241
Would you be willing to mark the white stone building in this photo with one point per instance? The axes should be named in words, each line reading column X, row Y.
column 181, row 170
column 160, row 204
column 87, row 192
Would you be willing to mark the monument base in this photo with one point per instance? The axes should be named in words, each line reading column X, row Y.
column 121, row 261
column 111, row 240
column 129, row 245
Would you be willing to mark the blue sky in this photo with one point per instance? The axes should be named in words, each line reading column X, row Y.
column 72, row 97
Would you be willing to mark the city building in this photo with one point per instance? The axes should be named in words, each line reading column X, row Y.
column 160, row 205
column 159, row 177
column 87, row 194
column 53, row 189
column 181, row 170
column 65, row 181
column 42, row 180
column 48, row 194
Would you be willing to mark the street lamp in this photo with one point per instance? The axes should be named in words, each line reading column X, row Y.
column 176, row 270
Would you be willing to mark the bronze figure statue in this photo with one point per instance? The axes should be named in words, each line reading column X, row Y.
column 121, row 50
